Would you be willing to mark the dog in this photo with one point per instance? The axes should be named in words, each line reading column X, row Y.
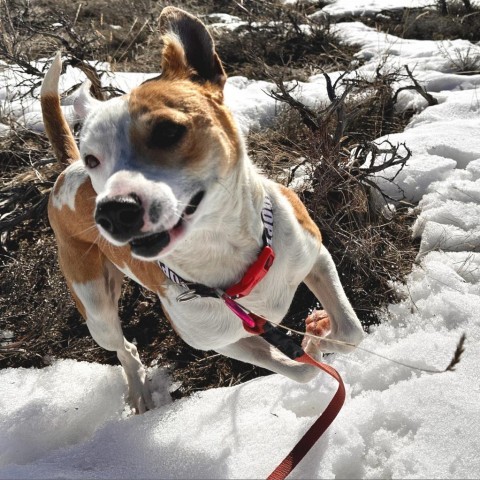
column 161, row 189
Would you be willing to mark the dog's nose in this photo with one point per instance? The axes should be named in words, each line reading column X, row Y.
column 120, row 216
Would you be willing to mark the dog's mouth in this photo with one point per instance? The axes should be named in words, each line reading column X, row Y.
column 151, row 245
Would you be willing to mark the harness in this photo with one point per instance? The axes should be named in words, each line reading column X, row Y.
column 258, row 325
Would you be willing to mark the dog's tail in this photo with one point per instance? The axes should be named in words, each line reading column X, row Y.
column 56, row 126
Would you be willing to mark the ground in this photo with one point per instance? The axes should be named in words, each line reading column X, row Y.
column 38, row 319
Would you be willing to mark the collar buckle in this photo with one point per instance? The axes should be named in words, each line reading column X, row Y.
column 254, row 274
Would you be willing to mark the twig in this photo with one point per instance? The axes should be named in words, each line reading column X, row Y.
column 337, row 106
column 457, row 355
column 283, row 95
column 418, row 88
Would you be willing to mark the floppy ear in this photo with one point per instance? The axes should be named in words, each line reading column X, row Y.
column 84, row 102
column 189, row 51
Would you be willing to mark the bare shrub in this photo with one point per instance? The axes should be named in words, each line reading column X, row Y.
column 335, row 147
column 39, row 29
column 456, row 21
column 461, row 61
column 281, row 41
column 444, row 6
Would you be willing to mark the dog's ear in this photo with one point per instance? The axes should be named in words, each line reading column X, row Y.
column 84, row 102
column 189, row 50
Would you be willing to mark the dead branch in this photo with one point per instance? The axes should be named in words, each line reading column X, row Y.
column 369, row 152
column 308, row 116
column 337, row 106
column 418, row 88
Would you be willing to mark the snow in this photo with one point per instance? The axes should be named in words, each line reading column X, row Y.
column 341, row 8
column 449, row 213
column 69, row 420
column 19, row 91
column 442, row 56
column 443, row 137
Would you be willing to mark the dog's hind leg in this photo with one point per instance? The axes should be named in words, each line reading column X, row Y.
column 325, row 284
column 258, row 351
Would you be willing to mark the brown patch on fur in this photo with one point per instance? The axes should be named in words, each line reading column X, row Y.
column 301, row 213
column 210, row 129
column 58, row 131
column 83, row 253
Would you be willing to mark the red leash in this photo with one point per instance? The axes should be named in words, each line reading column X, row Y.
column 317, row 429
column 286, row 345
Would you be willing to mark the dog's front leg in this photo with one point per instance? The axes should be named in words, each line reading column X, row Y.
column 96, row 286
column 257, row 351
column 325, row 284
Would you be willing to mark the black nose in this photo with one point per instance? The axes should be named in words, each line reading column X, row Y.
column 121, row 216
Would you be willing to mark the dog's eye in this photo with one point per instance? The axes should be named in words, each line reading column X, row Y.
column 166, row 134
column 92, row 161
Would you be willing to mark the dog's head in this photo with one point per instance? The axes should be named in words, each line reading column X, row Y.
column 155, row 155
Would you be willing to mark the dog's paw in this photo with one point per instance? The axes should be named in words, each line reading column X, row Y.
column 317, row 324
column 328, row 339
column 139, row 395
column 141, row 401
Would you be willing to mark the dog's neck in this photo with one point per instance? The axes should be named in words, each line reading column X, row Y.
column 229, row 235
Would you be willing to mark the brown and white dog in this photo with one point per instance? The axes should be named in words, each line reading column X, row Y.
column 162, row 174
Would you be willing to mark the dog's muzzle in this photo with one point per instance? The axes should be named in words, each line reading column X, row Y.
column 122, row 218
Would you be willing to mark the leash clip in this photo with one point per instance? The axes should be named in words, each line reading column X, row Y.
column 240, row 311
